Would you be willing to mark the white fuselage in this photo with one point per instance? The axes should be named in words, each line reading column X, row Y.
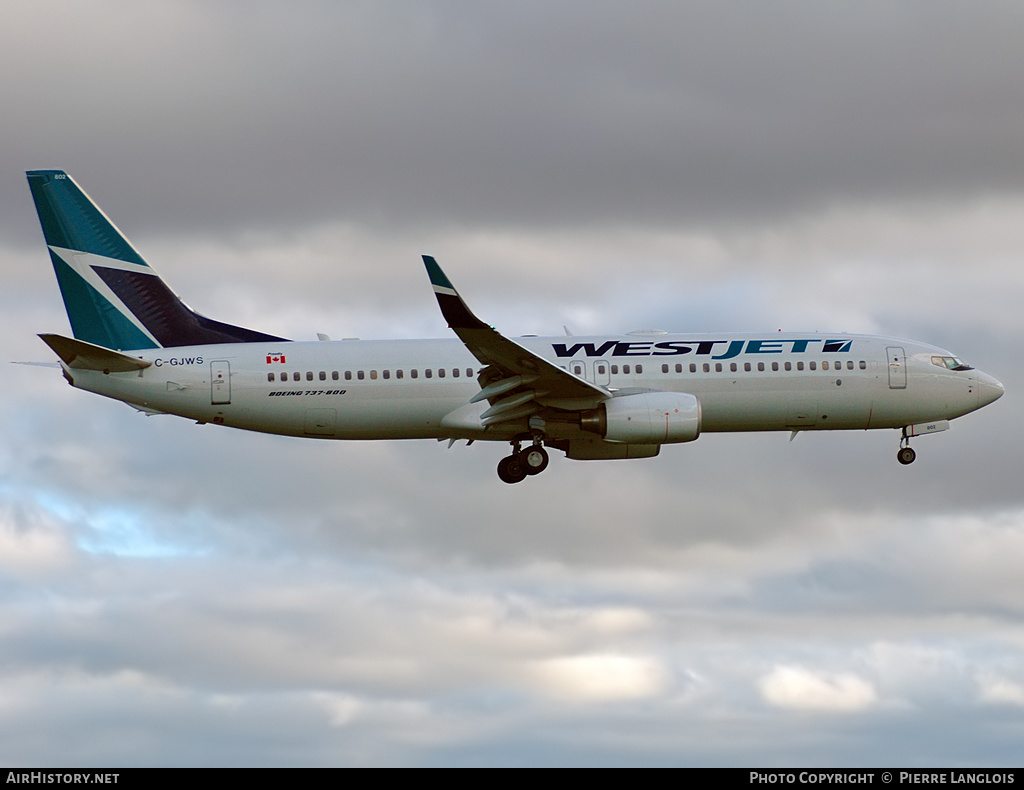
column 414, row 389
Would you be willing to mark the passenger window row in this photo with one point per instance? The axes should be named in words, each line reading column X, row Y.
column 734, row 367
column 372, row 375
column 763, row 366
column 429, row 373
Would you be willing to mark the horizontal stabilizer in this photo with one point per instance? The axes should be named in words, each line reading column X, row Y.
column 87, row 356
column 38, row 364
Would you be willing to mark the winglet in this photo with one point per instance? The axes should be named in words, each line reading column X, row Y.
column 438, row 279
column 454, row 310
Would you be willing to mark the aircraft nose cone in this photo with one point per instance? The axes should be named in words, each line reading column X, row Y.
column 989, row 389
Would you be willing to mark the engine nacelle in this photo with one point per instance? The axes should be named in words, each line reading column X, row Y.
column 646, row 418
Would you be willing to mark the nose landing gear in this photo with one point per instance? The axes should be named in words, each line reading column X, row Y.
column 522, row 463
column 906, row 454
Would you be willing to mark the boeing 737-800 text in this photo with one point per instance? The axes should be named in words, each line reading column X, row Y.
column 598, row 397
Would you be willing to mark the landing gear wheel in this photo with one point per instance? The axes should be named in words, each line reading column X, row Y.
column 534, row 459
column 906, row 455
column 511, row 469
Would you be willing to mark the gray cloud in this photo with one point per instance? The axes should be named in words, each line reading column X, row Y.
column 661, row 114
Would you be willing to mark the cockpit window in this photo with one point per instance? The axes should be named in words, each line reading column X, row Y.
column 950, row 362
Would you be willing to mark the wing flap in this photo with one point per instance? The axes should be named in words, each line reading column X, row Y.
column 500, row 387
column 509, row 404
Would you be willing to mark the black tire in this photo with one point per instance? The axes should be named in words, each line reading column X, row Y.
column 534, row 459
column 511, row 470
column 906, row 455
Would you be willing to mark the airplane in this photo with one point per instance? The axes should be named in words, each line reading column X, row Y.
column 592, row 398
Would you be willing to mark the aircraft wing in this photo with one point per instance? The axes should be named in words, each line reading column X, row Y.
column 517, row 381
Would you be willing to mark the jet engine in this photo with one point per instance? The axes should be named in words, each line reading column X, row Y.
column 645, row 418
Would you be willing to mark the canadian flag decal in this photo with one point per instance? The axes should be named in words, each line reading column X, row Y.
column 272, row 358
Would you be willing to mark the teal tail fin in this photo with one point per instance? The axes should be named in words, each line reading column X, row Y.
column 113, row 297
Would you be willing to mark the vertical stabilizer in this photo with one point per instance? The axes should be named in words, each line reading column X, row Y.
column 113, row 297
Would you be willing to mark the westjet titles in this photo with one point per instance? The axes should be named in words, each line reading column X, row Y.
column 668, row 348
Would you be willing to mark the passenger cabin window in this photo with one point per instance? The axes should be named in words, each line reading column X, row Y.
column 387, row 374
column 664, row 368
column 270, row 377
column 615, row 369
column 679, row 367
column 399, row 374
column 824, row 365
column 639, row 368
column 334, row 375
column 440, row 373
column 414, row 373
column 625, row 369
column 348, row 375
column 693, row 367
column 373, row 375
column 361, row 375
column 323, row 375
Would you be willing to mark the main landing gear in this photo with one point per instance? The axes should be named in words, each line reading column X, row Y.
column 906, row 454
column 523, row 463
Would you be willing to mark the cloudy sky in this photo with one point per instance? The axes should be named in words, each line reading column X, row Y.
column 174, row 594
